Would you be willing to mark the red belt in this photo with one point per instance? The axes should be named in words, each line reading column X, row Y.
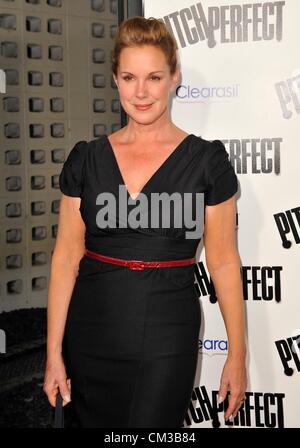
column 139, row 265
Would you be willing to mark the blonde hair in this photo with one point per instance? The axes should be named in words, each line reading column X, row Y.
column 138, row 31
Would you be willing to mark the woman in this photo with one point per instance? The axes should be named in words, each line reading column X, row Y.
column 125, row 338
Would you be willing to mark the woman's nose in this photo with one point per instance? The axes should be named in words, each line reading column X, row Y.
column 141, row 89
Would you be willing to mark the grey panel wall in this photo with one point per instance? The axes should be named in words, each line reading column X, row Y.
column 56, row 55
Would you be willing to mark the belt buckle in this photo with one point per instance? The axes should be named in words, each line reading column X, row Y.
column 136, row 265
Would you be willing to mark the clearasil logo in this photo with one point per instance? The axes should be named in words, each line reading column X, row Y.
column 213, row 347
column 186, row 93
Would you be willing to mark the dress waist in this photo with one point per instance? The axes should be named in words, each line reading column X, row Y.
column 141, row 247
column 139, row 265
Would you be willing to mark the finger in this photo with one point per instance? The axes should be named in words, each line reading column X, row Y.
column 222, row 392
column 240, row 405
column 52, row 396
column 49, row 386
column 65, row 392
column 233, row 403
column 50, row 390
column 234, row 406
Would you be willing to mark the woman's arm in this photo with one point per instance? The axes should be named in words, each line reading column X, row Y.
column 68, row 250
column 223, row 263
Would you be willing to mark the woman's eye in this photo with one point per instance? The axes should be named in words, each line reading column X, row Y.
column 128, row 78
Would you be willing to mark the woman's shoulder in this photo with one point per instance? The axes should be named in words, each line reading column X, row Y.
column 93, row 146
column 208, row 147
column 204, row 142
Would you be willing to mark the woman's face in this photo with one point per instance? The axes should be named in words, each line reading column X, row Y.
column 144, row 79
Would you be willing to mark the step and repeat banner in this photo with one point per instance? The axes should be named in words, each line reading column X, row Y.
column 240, row 83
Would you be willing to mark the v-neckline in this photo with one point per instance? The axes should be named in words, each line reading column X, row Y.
column 156, row 172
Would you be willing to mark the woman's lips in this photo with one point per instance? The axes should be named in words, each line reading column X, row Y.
column 142, row 107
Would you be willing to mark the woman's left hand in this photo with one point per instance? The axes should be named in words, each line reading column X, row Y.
column 233, row 380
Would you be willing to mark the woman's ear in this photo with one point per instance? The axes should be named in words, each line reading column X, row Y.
column 115, row 79
column 175, row 78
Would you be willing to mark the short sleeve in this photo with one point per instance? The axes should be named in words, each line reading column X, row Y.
column 71, row 176
column 222, row 182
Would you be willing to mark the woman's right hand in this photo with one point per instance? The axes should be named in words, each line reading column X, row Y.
column 56, row 380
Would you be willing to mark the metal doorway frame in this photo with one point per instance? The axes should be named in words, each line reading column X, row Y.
column 126, row 9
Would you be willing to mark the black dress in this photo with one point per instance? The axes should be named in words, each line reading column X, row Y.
column 131, row 337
